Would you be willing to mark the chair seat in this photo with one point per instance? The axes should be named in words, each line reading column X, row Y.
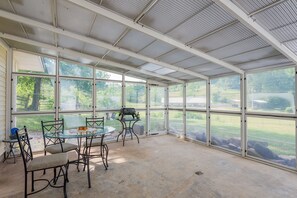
column 48, row 161
column 95, row 142
column 56, row 148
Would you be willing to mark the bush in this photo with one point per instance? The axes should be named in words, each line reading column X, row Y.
column 277, row 103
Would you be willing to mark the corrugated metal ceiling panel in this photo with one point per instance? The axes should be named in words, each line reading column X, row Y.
column 77, row 59
column 156, row 48
column 128, row 8
column 224, row 37
column 30, row 48
column 176, row 74
column 70, row 43
column 253, row 55
column 11, row 27
column 69, row 19
column 250, row 5
column 38, row 34
column 166, row 14
column 190, row 62
column 285, row 33
column 175, row 56
column 204, row 67
column 111, row 68
column 207, row 20
column 266, row 62
column 292, row 45
column 135, row 41
column 134, row 62
column 40, row 10
column 217, row 71
column 239, row 47
column 282, row 14
column 4, row 5
column 94, row 50
column 106, row 29
column 114, row 56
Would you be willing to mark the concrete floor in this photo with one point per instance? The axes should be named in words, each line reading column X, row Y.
column 164, row 166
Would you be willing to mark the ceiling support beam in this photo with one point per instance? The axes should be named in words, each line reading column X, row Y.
column 255, row 27
column 104, row 12
column 83, row 55
column 95, row 42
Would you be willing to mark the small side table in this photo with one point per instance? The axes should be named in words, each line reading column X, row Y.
column 10, row 154
column 127, row 127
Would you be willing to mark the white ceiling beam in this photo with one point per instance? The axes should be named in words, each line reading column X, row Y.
column 83, row 55
column 255, row 27
column 95, row 42
column 104, row 12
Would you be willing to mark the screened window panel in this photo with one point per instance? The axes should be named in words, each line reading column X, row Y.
column 135, row 95
column 33, row 64
column 176, row 125
column 33, row 94
column 272, row 140
column 225, row 93
column 271, row 91
column 71, row 69
column 74, row 120
column 176, row 96
column 108, row 75
column 108, row 95
column 75, row 95
column 225, row 131
column 196, row 95
column 33, row 124
column 157, row 97
column 196, row 126
column 110, row 118
column 157, row 121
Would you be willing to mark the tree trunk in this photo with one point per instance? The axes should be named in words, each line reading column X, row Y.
column 36, row 95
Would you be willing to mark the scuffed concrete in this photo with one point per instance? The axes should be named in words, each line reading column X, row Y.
column 161, row 167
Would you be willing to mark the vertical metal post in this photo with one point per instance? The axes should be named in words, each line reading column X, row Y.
column 9, row 65
column 208, row 139
column 167, row 109
column 295, row 116
column 184, row 110
column 123, row 91
column 148, row 107
column 57, row 92
column 243, row 114
column 94, row 92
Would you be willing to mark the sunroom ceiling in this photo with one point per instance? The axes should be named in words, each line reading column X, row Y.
column 202, row 25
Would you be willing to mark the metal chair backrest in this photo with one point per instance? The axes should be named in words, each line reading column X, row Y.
column 95, row 122
column 54, row 126
column 25, row 146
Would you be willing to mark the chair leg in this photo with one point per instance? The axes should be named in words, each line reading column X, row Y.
column 107, row 151
column 89, row 177
column 65, row 179
column 44, row 169
column 32, row 186
column 26, row 178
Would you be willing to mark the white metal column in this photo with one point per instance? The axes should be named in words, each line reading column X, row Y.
column 9, row 65
column 166, row 109
column 94, row 92
column 243, row 114
column 296, row 115
column 184, row 110
column 123, row 91
column 208, row 139
column 148, row 106
column 57, row 92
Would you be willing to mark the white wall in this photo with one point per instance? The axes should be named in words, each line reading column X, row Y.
column 3, row 68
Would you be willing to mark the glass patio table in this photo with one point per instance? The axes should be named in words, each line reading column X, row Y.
column 79, row 135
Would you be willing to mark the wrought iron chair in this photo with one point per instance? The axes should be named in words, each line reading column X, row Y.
column 56, row 145
column 41, row 163
column 96, row 141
